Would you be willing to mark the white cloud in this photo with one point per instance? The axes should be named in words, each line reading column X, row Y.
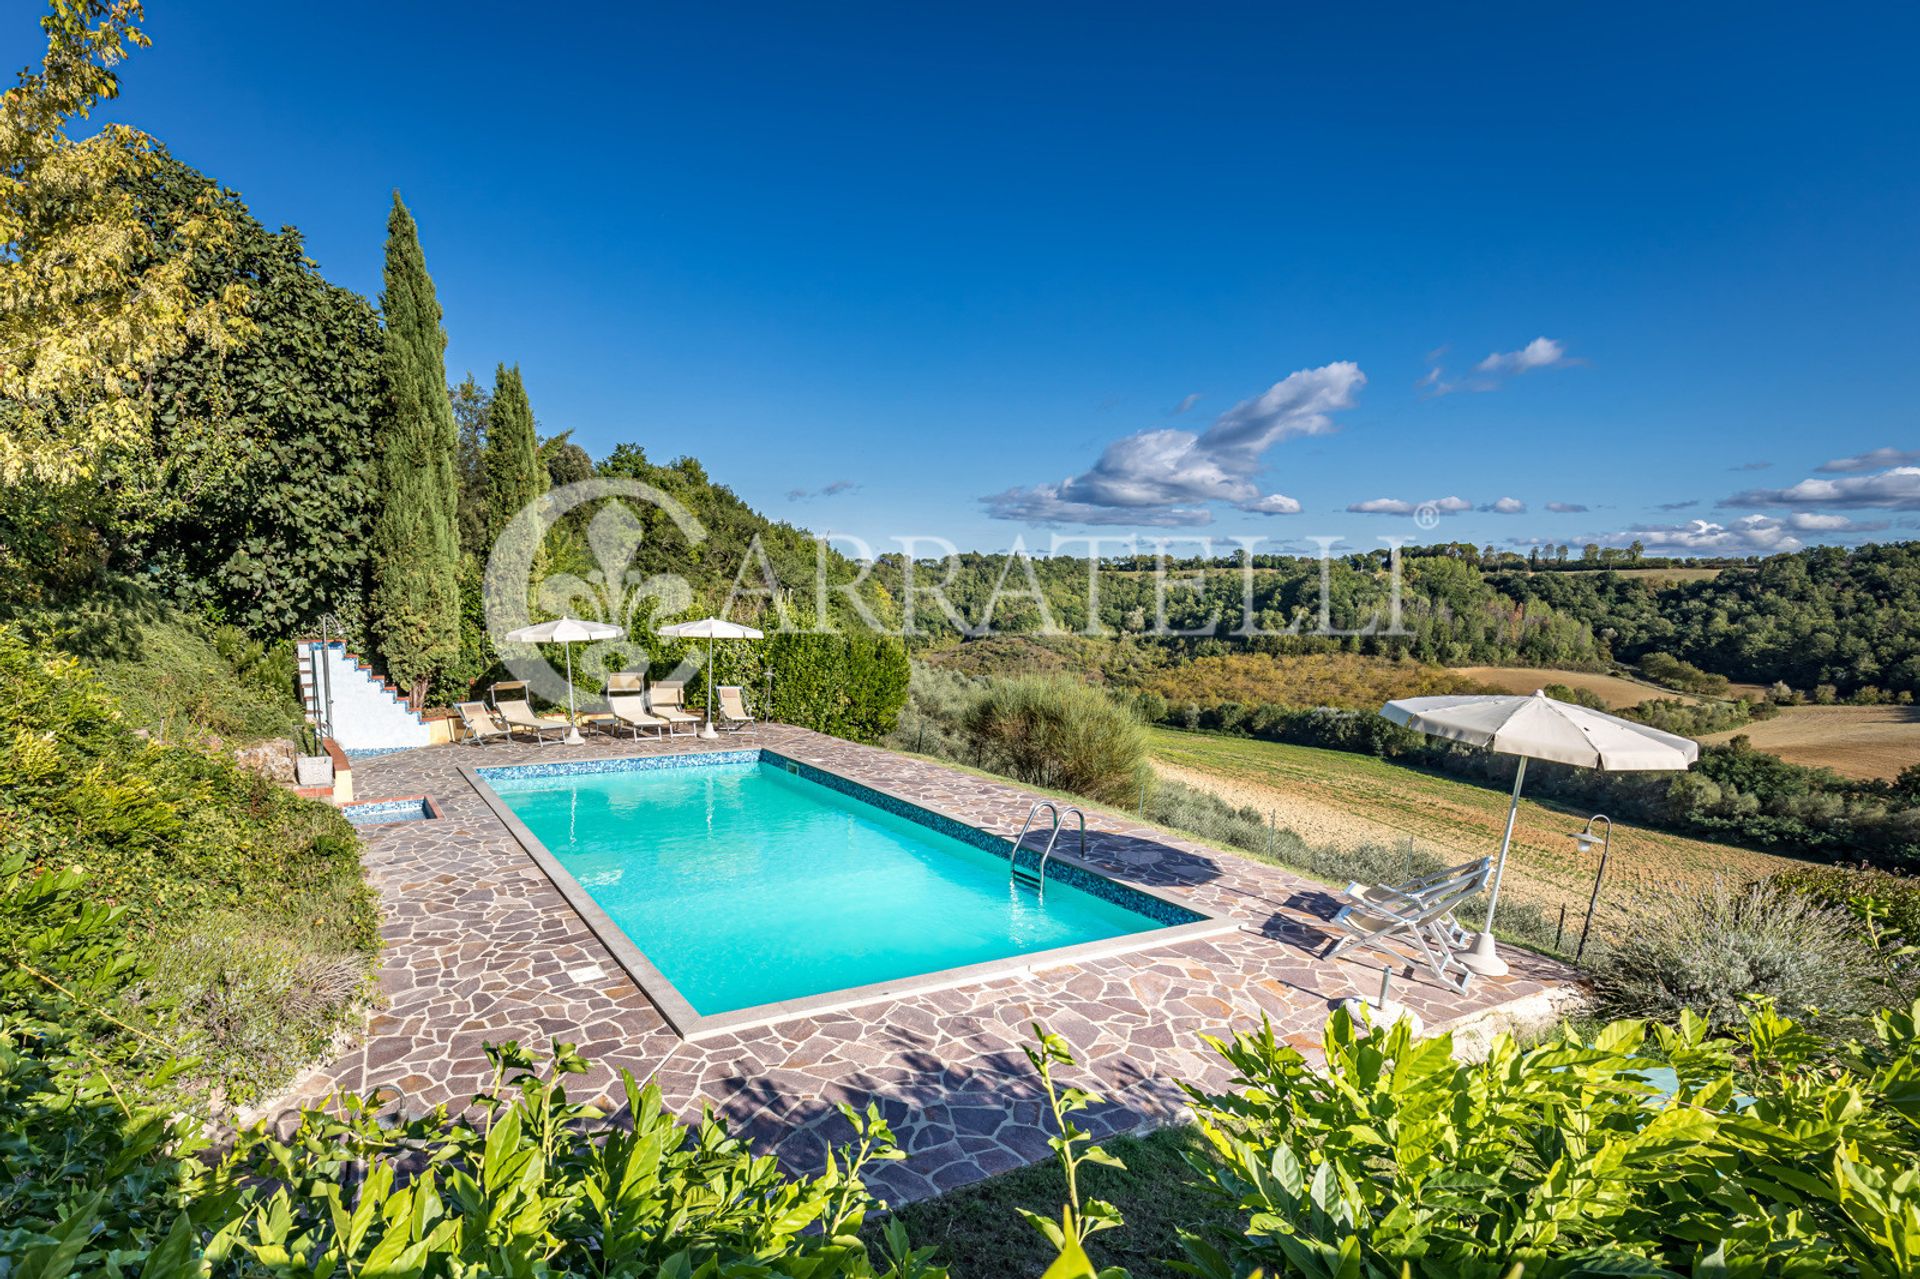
column 1566, row 508
column 1816, row 522
column 1164, row 477
column 1490, row 373
column 1185, row 404
column 1272, row 504
column 1541, row 353
column 1748, row 535
column 1506, row 506
column 1869, row 460
column 1677, row 506
column 1894, row 490
column 1394, row 506
column 1042, row 504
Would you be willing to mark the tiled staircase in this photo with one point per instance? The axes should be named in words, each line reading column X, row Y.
column 367, row 712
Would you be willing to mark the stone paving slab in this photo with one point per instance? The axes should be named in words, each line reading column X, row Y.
column 480, row 947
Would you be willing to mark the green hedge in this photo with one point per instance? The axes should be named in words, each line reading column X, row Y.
column 850, row 684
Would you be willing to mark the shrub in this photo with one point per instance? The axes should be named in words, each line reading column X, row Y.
column 177, row 678
column 933, row 720
column 1561, row 1160
column 1575, row 696
column 1056, row 732
column 1696, row 719
column 1897, row 896
column 1708, row 950
column 1663, row 668
column 226, row 876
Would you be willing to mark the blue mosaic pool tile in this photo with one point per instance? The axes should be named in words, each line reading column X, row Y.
column 374, row 812
column 700, row 759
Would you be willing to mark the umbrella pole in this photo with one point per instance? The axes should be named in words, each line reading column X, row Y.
column 707, row 731
column 1484, row 958
column 573, row 722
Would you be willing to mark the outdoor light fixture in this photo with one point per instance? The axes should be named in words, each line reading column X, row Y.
column 1584, row 840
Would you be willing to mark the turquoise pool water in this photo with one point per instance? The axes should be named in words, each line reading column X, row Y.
column 747, row 885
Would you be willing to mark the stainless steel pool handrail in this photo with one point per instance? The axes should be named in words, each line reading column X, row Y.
column 1013, row 859
column 1039, row 876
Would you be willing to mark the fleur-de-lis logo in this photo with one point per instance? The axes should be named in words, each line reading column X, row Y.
column 615, row 590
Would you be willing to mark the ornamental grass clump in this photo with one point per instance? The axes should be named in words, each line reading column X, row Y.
column 1711, row 950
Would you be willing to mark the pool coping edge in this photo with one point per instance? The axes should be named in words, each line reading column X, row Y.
column 694, row 1026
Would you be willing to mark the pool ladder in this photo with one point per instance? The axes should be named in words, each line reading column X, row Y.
column 1037, row 878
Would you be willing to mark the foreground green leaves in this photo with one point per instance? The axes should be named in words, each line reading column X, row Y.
column 1773, row 1152
column 527, row 1182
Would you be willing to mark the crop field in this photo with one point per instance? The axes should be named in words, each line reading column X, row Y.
column 1658, row 576
column 1616, row 690
column 1345, row 799
column 1856, row 741
column 1313, row 679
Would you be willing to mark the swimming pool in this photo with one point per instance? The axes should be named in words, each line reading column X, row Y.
column 741, row 886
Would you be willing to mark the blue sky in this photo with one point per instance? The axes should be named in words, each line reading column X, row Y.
column 956, row 270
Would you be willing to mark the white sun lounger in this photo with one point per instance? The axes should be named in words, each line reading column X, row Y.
column 510, row 701
column 627, row 704
column 734, row 715
column 1418, row 891
column 1421, row 917
column 664, row 700
column 479, row 723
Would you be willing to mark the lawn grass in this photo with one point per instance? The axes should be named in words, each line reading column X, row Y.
column 981, row 1235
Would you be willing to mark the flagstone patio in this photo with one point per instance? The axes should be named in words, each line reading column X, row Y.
column 481, row 947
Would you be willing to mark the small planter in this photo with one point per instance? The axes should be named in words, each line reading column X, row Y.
column 313, row 770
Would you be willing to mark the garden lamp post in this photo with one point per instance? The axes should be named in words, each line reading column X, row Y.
column 1584, row 840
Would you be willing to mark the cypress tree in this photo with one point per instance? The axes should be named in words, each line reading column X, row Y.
column 511, row 460
column 416, row 544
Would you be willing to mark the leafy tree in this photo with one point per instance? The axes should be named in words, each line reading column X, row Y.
column 416, row 590
column 92, row 292
column 251, row 494
column 511, row 459
column 471, row 405
column 566, row 462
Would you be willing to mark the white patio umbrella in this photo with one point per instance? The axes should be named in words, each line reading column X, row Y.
column 709, row 629
column 567, row 631
column 1538, row 727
